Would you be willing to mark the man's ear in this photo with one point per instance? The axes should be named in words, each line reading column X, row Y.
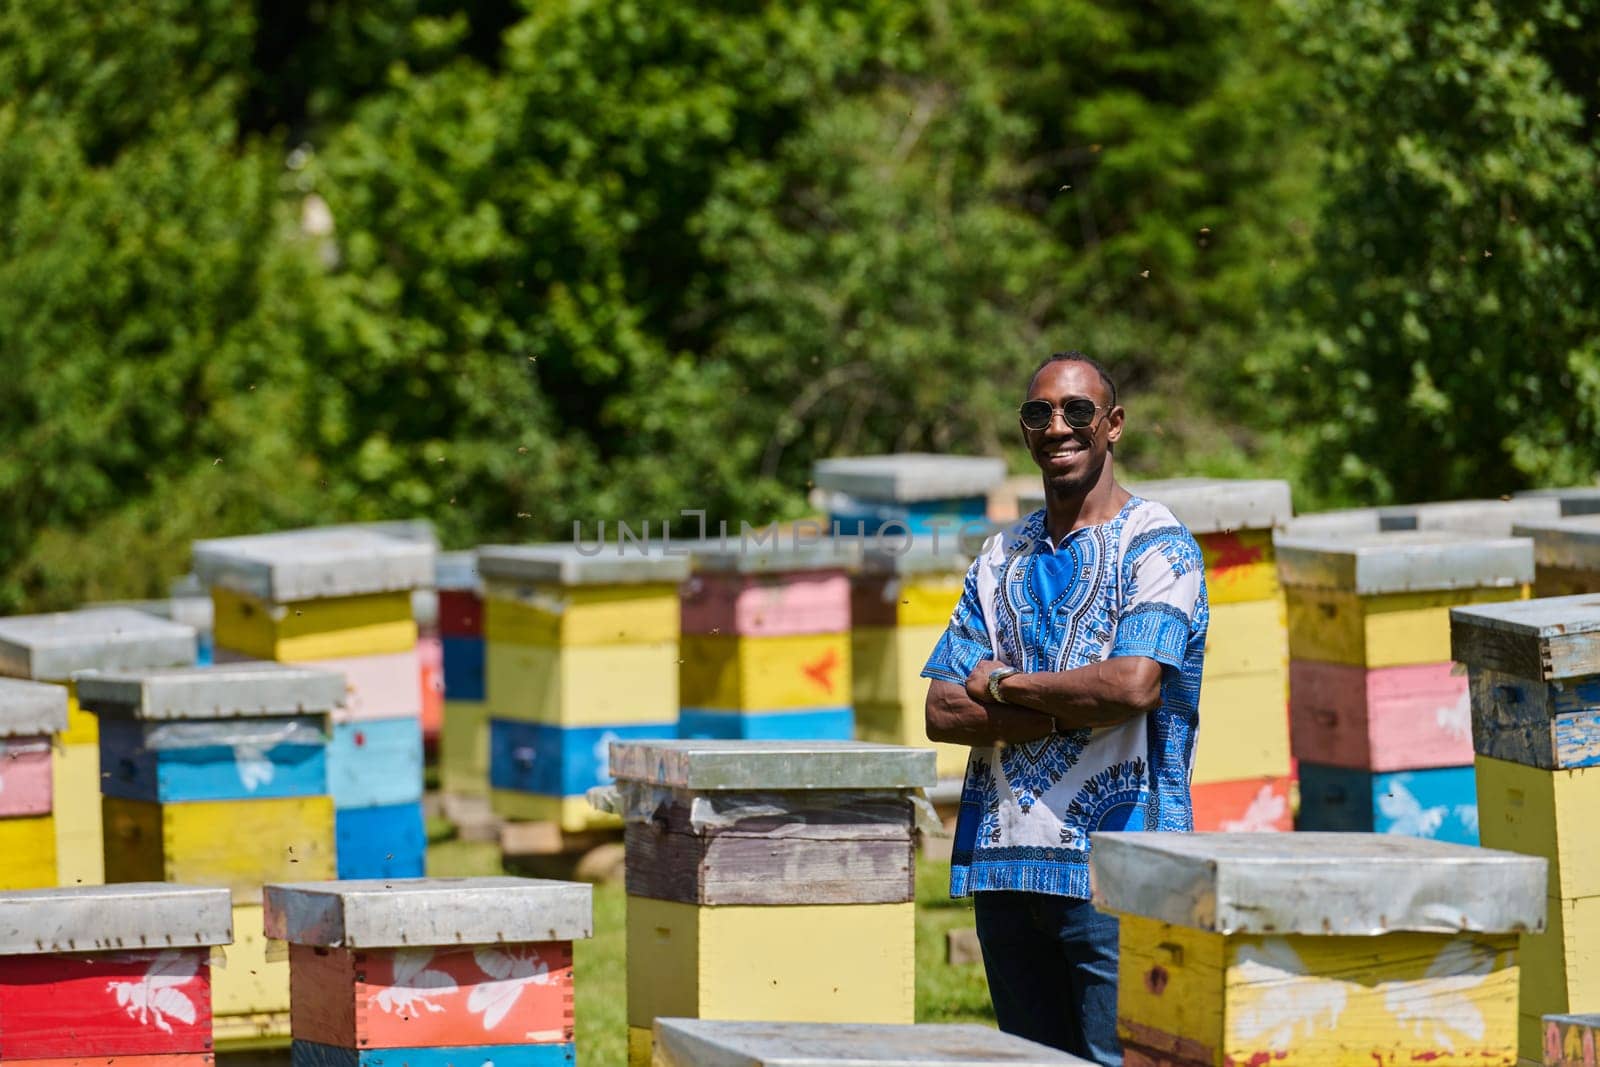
column 1114, row 419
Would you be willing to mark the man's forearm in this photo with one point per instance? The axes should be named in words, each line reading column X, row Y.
column 1097, row 694
column 955, row 717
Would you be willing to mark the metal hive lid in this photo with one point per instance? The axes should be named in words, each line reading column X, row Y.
column 950, row 553
column 1215, row 505
column 1316, row 883
column 705, row 765
column 1574, row 500
column 909, row 476
column 722, row 1043
column 1485, row 518
column 1332, row 523
column 1404, row 562
column 1572, row 542
column 1546, row 639
column 224, row 691
column 563, row 563
column 457, row 571
column 296, row 565
column 28, row 709
column 57, row 646
column 785, row 553
column 415, row 912
column 131, row 915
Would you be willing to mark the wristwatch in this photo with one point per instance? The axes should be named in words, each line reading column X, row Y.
column 994, row 681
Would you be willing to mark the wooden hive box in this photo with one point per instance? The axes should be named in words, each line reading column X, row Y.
column 1535, row 675
column 805, row 847
column 1566, row 554
column 464, row 732
column 1570, row 1040
column 1315, row 948
column 31, row 715
column 720, row 1043
column 55, row 648
column 116, row 974
column 908, row 492
column 480, row 967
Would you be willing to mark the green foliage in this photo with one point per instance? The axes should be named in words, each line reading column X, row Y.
column 1452, row 336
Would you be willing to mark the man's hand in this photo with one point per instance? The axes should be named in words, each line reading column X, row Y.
column 978, row 680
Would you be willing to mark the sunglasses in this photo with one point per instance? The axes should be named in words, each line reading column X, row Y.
column 1078, row 414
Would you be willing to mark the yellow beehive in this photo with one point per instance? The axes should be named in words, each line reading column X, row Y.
column 579, row 685
column 250, row 994
column 464, row 748
column 79, row 844
column 1380, row 630
column 541, row 614
column 335, row 627
column 1244, row 731
column 1315, row 948
column 764, row 673
column 1241, row 565
column 28, row 844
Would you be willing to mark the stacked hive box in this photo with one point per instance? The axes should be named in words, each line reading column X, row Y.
column 1379, row 717
column 1566, row 555
column 431, row 972
column 1570, row 1040
column 802, row 848
column 1242, row 771
column 1534, row 668
column 464, row 735
column 55, row 648
column 31, row 713
column 717, row 1043
column 1315, row 948
column 582, row 650
column 766, row 641
column 340, row 599
column 901, row 600
column 911, row 492
column 109, row 975
column 1482, row 518
column 219, row 775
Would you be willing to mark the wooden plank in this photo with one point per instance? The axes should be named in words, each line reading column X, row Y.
column 764, row 673
column 1570, row 1040
column 818, row 963
column 79, row 848
column 821, row 852
column 1193, row 997
column 1543, row 813
column 1383, row 719
column 1244, row 726
column 1552, row 725
column 366, row 625
column 433, row 996
column 28, row 843
column 1383, row 630
column 238, row 843
column 576, row 686
column 1250, row 805
column 538, row 614
column 1245, row 637
column 1561, row 966
column 141, row 1001
column 1241, row 566
column 25, row 776
column 767, row 605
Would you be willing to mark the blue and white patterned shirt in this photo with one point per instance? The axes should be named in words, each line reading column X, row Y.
column 1134, row 586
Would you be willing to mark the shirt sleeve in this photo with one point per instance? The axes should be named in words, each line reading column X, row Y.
column 1163, row 580
column 965, row 641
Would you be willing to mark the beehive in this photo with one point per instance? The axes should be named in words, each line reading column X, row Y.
column 1534, row 668
column 1569, row 1040
column 804, row 848
column 431, row 971
column 1566, row 555
column 464, row 734
column 1481, row 518
column 1315, row 948
column 720, row 1043
column 563, row 626
column 117, row 975
column 1379, row 718
column 31, row 715
column 341, row 599
column 219, row 776
column 908, row 493
column 54, row 648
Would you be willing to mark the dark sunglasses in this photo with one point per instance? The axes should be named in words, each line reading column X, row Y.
column 1078, row 414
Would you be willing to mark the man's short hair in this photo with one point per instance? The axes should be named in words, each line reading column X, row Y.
column 1074, row 356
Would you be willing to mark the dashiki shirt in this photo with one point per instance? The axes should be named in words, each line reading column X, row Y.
column 1134, row 586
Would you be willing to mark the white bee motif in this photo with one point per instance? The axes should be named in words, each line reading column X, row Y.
column 510, row 970
column 1405, row 812
column 414, row 984
column 156, row 997
column 1441, row 1000
column 255, row 769
column 1290, row 999
column 1456, row 719
column 1264, row 813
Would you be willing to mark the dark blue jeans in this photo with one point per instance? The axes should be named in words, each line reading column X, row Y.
column 1052, row 967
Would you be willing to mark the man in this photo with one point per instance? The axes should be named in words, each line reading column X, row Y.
column 1072, row 667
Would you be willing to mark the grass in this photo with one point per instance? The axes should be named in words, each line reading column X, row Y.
column 945, row 993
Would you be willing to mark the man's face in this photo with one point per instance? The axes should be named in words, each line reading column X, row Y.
column 1072, row 459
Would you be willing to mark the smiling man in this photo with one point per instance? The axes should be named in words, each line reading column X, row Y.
column 1072, row 667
